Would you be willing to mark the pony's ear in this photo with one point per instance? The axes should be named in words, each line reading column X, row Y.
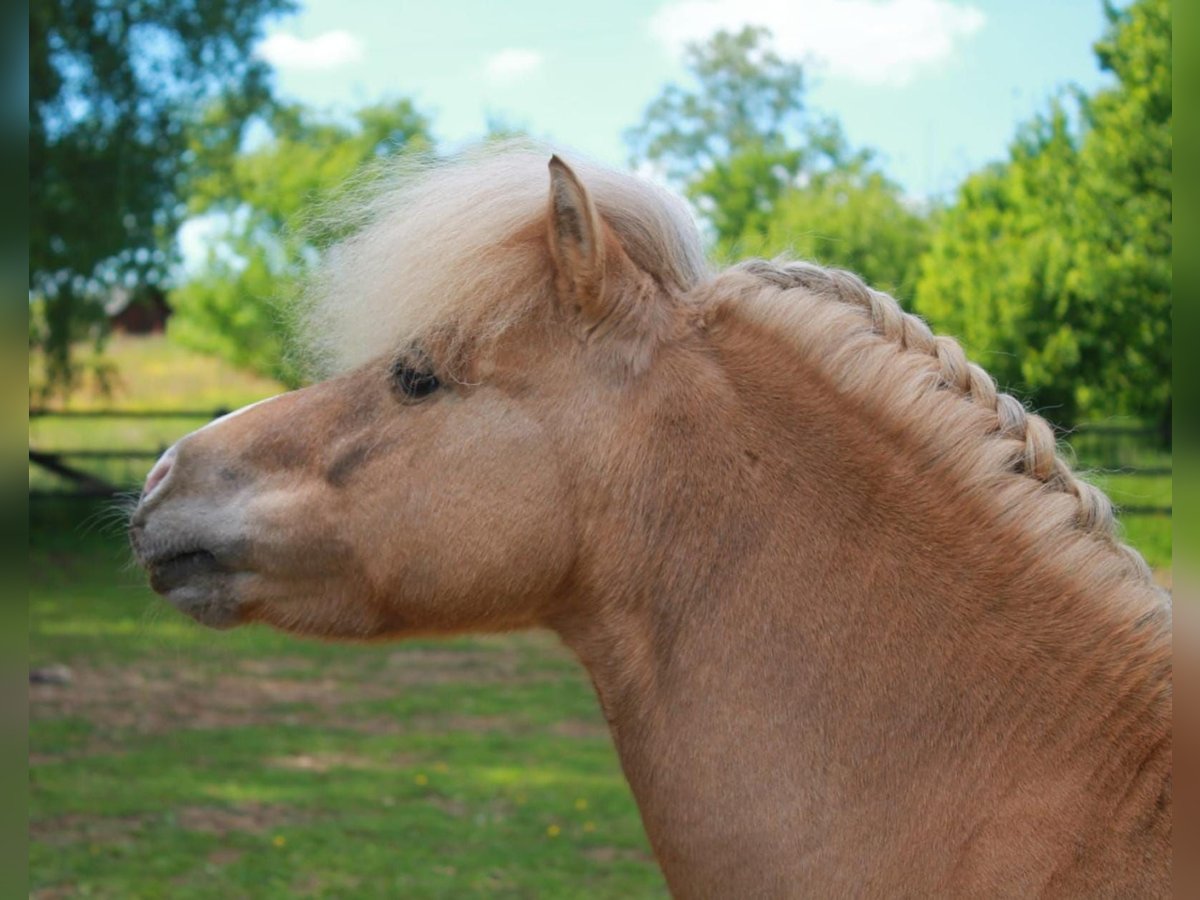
column 577, row 242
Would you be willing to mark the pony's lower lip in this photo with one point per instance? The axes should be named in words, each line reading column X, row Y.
column 198, row 583
column 179, row 569
column 215, row 616
column 205, row 602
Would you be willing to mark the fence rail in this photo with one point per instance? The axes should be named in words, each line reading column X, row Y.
column 38, row 412
column 64, row 463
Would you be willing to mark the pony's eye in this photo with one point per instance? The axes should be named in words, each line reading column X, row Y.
column 414, row 383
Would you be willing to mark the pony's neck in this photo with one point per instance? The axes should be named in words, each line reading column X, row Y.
column 810, row 627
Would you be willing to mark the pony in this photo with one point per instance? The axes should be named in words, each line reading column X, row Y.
column 856, row 627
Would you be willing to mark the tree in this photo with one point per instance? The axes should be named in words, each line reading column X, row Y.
column 739, row 137
column 768, row 175
column 1123, row 265
column 266, row 207
column 851, row 217
column 996, row 272
column 1054, row 267
column 117, row 90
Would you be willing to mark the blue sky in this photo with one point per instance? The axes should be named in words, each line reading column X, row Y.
column 936, row 86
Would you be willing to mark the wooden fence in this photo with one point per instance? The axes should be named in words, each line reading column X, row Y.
column 74, row 466
column 1105, row 448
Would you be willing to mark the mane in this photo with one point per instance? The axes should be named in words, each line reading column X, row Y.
column 924, row 385
column 440, row 255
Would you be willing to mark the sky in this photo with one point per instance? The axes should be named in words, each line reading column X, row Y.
column 936, row 87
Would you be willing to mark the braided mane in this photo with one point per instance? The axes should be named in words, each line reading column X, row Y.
column 824, row 311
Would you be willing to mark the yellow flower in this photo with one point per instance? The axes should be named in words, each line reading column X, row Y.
column 440, row 767
column 279, row 840
column 581, row 804
column 421, row 778
column 553, row 831
column 589, row 827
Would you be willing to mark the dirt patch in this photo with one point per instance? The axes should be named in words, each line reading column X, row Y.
column 135, row 699
column 96, row 745
column 471, row 724
column 612, row 854
column 579, row 728
column 451, row 807
column 223, row 856
column 427, row 666
column 158, row 699
column 322, row 762
column 275, row 666
column 250, row 819
column 450, row 721
column 74, row 827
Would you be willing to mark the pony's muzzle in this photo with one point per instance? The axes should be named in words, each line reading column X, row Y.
column 183, row 541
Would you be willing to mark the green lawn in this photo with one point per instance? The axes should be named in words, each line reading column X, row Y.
column 179, row 762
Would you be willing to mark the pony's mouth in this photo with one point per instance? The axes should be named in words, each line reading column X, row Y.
column 195, row 581
column 174, row 571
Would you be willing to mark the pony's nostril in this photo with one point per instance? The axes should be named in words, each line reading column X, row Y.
column 161, row 469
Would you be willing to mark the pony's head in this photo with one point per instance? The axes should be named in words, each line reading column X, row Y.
column 541, row 406
column 485, row 330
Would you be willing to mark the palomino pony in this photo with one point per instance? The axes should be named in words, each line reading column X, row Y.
column 856, row 628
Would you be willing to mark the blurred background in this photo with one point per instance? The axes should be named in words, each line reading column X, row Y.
column 1003, row 168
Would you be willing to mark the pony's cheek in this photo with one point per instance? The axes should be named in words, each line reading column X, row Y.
column 484, row 562
column 468, row 533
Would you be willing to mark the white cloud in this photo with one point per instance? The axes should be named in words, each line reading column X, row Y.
column 330, row 50
column 512, row 64
column 876, row 42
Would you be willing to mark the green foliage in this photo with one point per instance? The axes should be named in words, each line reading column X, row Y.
column 116, row 92
column 853, row 218
column 738, row 137
column 1054, row 267
column 1125, row 224
column 996, row 272
column 769, row 176
column 268, row 203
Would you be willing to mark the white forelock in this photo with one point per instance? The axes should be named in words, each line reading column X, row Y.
column 433, row 250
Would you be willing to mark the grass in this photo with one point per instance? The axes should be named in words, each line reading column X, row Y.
column 182, row 763
column 152, row 372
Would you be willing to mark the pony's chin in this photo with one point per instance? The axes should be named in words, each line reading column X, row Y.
column 205, row 605
column 199, row 583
